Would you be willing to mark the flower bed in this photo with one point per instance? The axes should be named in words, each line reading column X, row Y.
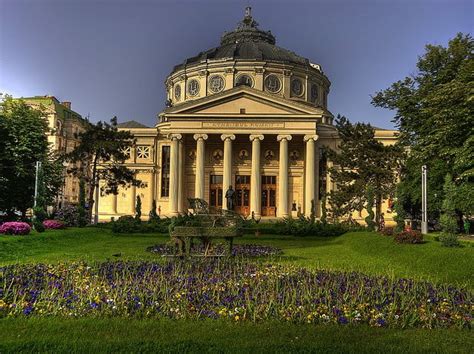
column 15, row 228
column 236, row 290
column 53, row 224
column 220, row 249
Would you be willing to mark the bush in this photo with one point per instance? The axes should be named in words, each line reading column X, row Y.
column 38, row 225
column 449, row 240
column 387, row 231
column 69, row 215
column 305, row 227
column 409, row 236
column 15, row 228
column 53, row 224
column 128, row 224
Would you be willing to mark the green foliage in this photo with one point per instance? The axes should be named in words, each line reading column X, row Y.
column 400, row 216
column 409, row 236
column 153, row 216
column 138, row 208
column 102, row 152
column 38, row 226
column 433, row 111
column 359, row 161
column 23, row 141
column 305, row 227
column 449, row 240
column 324, row 215
column 448, row 219
column 369, row 219
column 128, row 224
column 81, row 209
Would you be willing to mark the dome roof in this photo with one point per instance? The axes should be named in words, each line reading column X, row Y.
column 247, row 42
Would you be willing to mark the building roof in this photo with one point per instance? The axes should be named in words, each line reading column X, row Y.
column 132, row 124
column 247, row 42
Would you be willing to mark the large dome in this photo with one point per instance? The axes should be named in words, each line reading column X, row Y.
column 247, row 42
column 248, row 56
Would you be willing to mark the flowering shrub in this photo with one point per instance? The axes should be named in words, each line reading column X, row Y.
column 409, row 236
column 387, row 231
column 232, row 289
column 221, row 249
column 53, row 224
column 15, row 228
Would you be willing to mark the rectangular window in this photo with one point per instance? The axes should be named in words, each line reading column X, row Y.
column 165, row 171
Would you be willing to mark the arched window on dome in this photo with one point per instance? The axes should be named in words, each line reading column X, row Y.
column 244, row 80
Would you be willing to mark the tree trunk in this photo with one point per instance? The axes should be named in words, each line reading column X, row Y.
column 92, row 187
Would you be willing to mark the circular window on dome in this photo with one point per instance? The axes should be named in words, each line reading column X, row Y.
column 244, row 80
column 272, row 83
column 193, row 87
column 296, row 87
column 314, row 92
column 177, row 92
column 216, row 83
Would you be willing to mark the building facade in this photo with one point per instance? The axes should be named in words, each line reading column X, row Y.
column 64, row 128
column 247, row 114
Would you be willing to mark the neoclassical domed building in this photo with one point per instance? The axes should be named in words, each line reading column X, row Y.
column 246, row 114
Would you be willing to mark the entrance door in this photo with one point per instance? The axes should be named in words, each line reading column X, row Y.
column 215, row 191
column 242, row 195
column 268, row 195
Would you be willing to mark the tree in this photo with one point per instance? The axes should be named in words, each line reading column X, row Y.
column 81, row 211
column 435, row 116
column 369, row 219
column 23, row 141
column 153, row 215
column 448, row 220
column 100, row 156
column 361, row 161
column 138, row 208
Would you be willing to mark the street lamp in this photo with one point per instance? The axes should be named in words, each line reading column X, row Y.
column 424, row 200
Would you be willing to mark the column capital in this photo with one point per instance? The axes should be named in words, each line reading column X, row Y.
column 200, row 136
column 311, row 137
column 284, row 137
column 256, row 136
column 175, row 136
column 224, row 137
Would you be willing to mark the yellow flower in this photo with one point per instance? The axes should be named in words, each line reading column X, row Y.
column 237, row 317
column 2, row 304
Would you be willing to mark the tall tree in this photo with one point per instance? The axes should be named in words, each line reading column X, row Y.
column 23, row 141
column 100, row 156
column 361, row 161
column 434, row 112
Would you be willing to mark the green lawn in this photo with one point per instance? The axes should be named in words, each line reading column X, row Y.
column 361, row 251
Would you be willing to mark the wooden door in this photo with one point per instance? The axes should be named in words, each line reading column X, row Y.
column 268, row 195
column 242, row 195
column 215, row 191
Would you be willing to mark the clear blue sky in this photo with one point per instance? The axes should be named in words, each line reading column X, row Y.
column 112, row 57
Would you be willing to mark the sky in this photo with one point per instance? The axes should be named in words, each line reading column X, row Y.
column 111, row 57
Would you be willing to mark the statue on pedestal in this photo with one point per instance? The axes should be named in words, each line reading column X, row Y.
column 229, row 196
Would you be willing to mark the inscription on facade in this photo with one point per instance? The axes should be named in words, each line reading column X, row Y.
column 242, row 125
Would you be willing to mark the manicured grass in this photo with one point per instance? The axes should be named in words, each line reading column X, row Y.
column 362, row 251
column 366, row 252
column 133, row 335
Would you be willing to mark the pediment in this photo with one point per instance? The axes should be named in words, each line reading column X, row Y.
column 249, row 100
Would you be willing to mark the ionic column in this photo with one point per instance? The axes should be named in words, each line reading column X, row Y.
column 114, row 204
column 200, row 175
column 174, row 174
column 310, row 174
column 181, row 176
column 283, row 175
column 227, row 173
column 255, row 178
column 133, row 193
